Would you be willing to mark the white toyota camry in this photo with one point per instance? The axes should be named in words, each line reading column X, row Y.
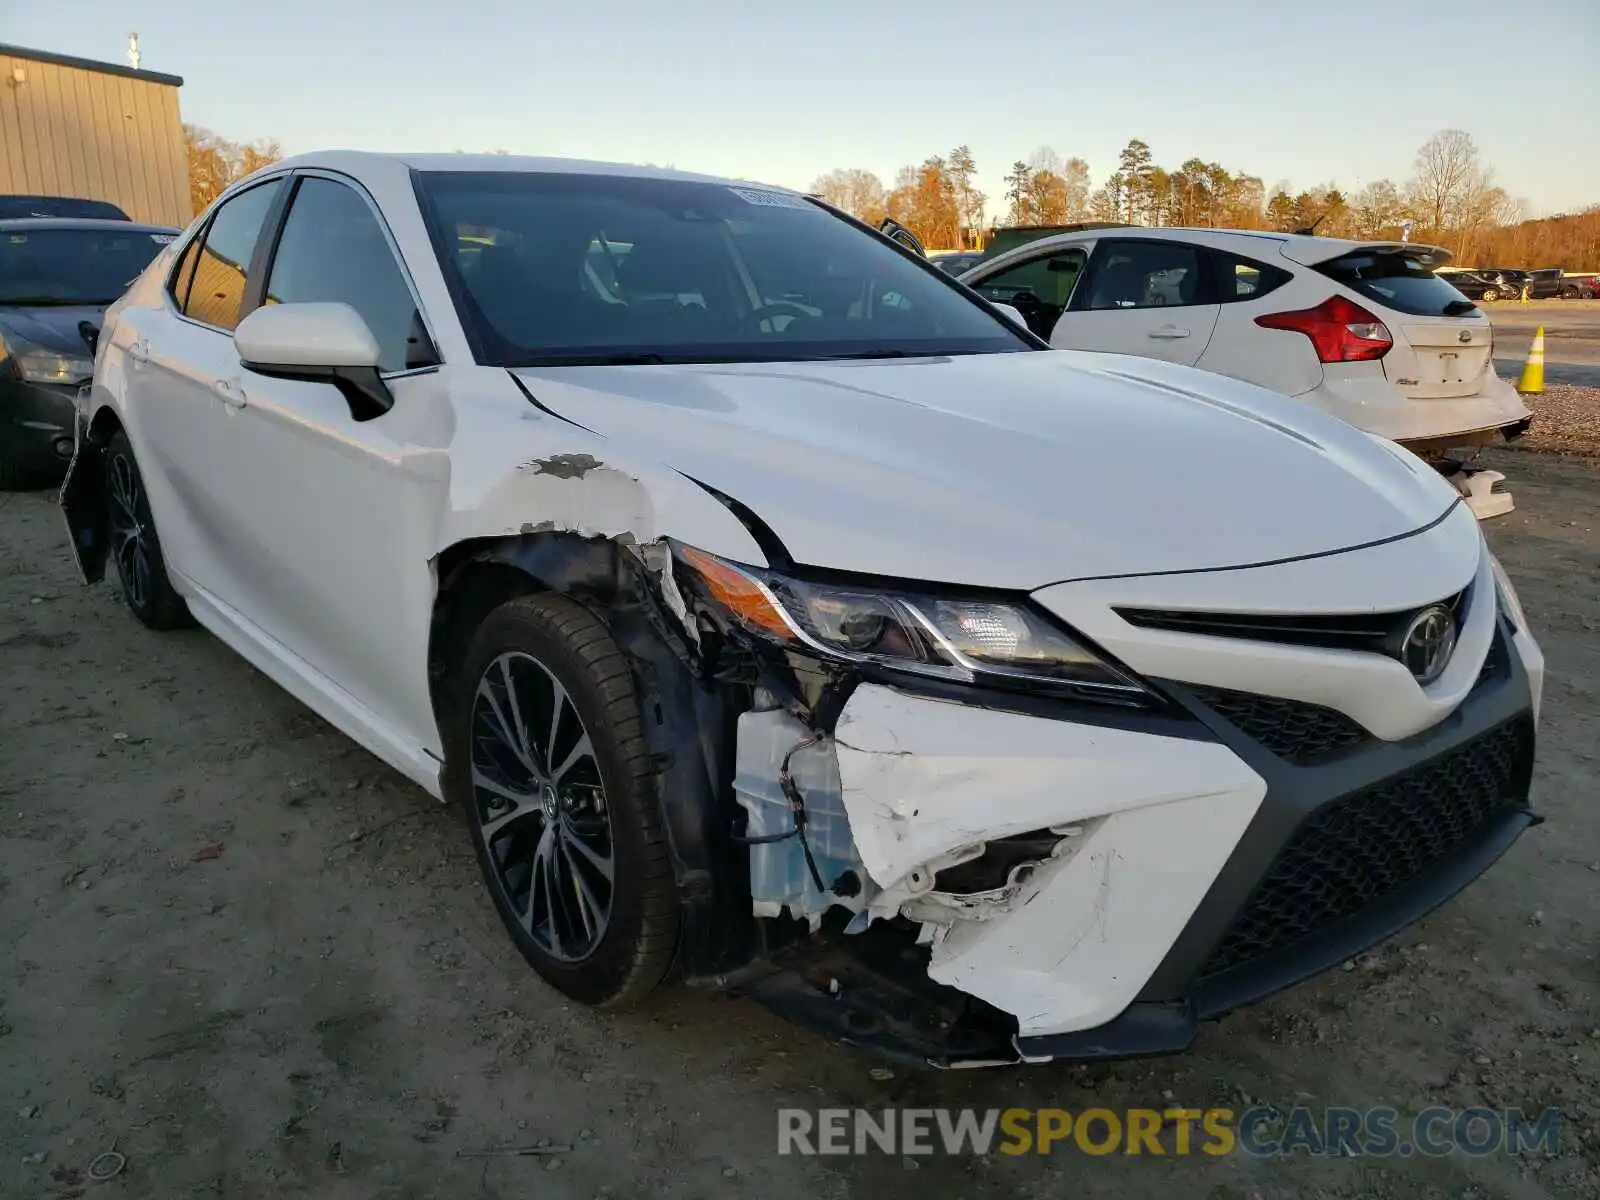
column 784, row 618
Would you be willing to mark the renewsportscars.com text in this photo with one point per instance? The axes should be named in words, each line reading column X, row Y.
column 1260, row 1132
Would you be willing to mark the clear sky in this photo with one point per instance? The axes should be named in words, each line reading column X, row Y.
column 1294, row 91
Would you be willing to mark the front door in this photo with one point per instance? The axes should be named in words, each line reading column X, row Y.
column 1040, row 287
column 335, row 559
column 1144, row 296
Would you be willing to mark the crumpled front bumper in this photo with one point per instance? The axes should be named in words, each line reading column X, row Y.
column 1157, row 897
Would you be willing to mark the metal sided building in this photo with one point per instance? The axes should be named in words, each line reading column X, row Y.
column 101, row 131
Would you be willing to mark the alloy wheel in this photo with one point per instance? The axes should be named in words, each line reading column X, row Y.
column 130, row 531
column 541, row 808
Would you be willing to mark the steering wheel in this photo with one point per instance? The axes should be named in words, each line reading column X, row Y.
column 778, row 308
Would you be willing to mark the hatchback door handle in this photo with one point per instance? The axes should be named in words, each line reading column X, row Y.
column 231, row 392
column 1169, row 331
column 139, row 351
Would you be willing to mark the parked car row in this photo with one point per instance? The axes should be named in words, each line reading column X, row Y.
column 1488, row 283
column 782, row 614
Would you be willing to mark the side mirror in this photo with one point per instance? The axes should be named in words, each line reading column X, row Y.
column 1012, row 314
column 321, row 342
column 891, row 228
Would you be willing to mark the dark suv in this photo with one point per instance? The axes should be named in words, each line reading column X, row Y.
column 1544, row 284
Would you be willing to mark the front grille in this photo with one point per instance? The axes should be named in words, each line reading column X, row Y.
column 1354, row 851
column 1301, row 733
column 1377, row 633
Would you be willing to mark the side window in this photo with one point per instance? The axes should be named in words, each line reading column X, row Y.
column 1244, row 279
column 1048, row 279
column 333, row 250
column 183, row 273
column 1146, row 274
column 221, row 267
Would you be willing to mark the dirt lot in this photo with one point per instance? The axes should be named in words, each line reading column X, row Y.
column 258, row 963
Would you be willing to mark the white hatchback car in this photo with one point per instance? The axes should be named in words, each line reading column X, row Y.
column 779, row 615
column 1363, row 330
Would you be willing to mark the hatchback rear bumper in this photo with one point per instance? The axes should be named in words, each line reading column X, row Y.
column 1372, row 403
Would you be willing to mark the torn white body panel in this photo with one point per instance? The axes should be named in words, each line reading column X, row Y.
column 924, row 780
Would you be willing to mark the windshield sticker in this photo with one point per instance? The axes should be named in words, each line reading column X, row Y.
column 163, row 239
column 769, row 199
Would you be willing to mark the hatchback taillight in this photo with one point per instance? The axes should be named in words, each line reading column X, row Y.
column 1340, row 330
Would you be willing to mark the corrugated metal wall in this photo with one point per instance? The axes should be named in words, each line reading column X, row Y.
column 65, row 131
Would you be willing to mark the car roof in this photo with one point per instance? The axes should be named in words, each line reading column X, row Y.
column 360, row 162
column 1303, row 249
column 24, row 224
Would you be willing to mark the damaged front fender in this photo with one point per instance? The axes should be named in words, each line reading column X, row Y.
column 83, row 503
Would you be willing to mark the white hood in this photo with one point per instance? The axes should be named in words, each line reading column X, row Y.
column 1010, row 470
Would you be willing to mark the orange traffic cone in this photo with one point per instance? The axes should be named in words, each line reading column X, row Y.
column 1532, row 381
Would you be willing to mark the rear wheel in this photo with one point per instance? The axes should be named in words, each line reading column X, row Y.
column 135, row 545
column 546, row 757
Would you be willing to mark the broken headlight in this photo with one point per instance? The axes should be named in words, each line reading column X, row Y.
column 999, row 643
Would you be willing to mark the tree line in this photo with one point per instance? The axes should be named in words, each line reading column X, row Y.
column 1450, row 199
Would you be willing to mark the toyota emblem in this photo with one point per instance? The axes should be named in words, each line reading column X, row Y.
column 1429, row 642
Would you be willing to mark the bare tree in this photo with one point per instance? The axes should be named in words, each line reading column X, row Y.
column 859, row 192
column 1450, row 181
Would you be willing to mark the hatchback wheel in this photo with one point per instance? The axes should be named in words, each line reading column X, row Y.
column 135, row 545
column 546, row 758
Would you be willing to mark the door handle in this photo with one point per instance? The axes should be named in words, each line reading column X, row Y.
column 139, row 351
column 230, row 391
column 1168, row 332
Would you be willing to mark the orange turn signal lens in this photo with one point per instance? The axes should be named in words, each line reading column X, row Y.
column 738, row 593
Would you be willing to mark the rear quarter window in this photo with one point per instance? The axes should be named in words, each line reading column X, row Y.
column 1398, row 281
column 1240, row 278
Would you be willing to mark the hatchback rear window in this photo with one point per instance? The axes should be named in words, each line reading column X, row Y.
column 1402, row 282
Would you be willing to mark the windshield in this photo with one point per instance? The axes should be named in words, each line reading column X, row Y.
column 1398, row 281
column 73, row 266
column 558, row 268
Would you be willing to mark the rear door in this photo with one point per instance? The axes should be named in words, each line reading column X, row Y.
column 1443, row 344
column 177, row 356
column 1151, row 297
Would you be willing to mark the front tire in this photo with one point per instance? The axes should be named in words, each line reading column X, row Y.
column 135, row 544
column 1491, row 294
column 546, row 758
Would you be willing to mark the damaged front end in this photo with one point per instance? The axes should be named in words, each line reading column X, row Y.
column 955, row 815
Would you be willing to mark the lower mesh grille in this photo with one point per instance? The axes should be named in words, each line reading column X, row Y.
column 1356, row 850
column 1292, row 729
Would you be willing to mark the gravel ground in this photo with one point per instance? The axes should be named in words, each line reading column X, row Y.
column 258, row 963
column 1566, row 420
